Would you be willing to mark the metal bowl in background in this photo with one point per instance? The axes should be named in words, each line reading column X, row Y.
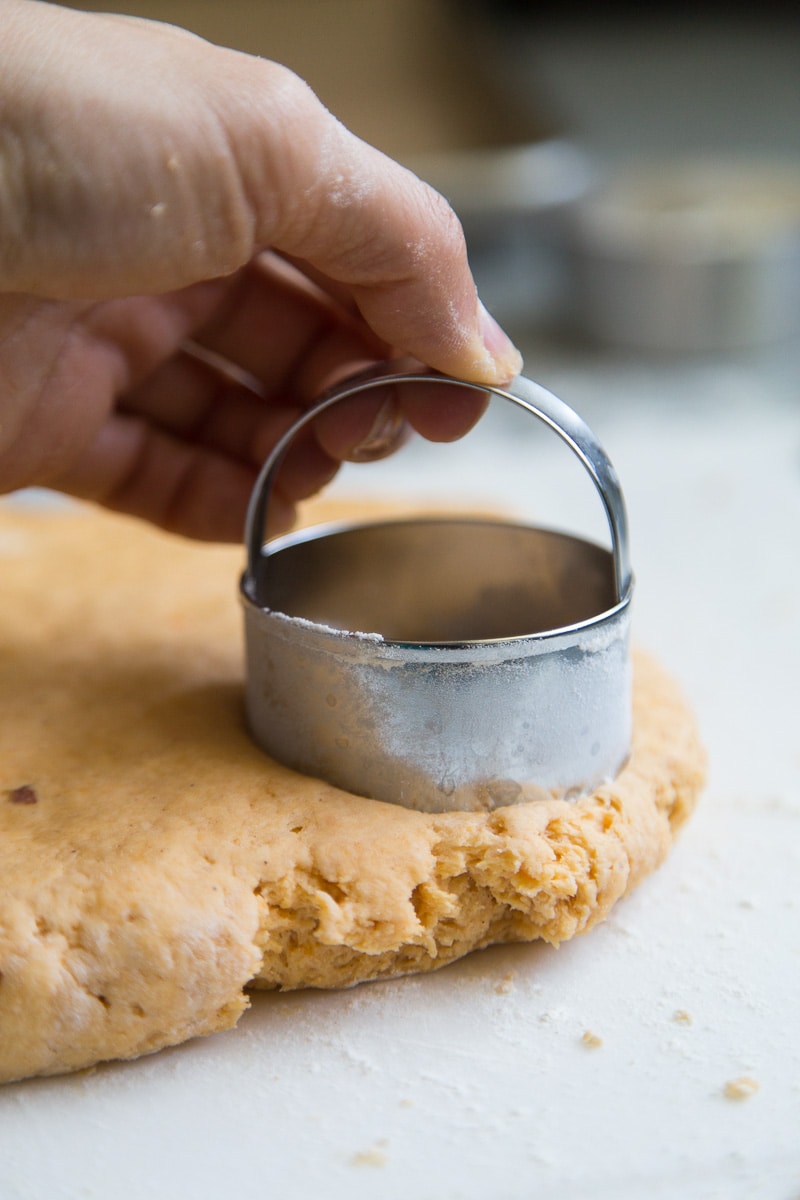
column 686, row 257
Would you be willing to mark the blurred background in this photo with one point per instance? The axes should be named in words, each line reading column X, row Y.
column 627, row 175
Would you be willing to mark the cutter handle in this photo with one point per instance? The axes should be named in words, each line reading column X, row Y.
column 523, row 392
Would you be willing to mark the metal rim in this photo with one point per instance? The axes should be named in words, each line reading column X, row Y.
column 344, row 636
column 523, row 392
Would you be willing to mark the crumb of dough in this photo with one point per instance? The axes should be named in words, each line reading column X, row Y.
column 741, row 1089
column 374, row 1157
column 167, row 865
column 591, row 1040
column 504, row 985
column 23, row 795
column 682, row 1017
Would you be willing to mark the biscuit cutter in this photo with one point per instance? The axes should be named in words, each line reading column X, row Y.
column 442, row 663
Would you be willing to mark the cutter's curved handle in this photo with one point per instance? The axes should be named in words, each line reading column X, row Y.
column 521, row 391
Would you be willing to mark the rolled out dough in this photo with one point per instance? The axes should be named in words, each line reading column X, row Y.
column 155, row 864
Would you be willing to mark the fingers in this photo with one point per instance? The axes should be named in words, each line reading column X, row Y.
column 442, row 413
column 292, row 344
column 363, row 428
column 374, row 424
column 358, row 219
column 134, row 467
column 188, row 425
column 195, row 402
column 278, row 327
column 198, row 158
column 297, row 341
column 180, row 422
column 185, row 442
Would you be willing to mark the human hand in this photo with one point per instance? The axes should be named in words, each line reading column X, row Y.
column 191, row 249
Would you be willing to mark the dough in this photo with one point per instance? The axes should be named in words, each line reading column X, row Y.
column 155, row 863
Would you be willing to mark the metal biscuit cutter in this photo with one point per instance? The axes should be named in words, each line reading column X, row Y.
column 442, row 663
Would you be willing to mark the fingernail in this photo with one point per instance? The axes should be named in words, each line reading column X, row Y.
column 387, row 433
column 506, row 358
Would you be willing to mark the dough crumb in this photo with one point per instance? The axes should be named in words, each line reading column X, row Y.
column 682, row 1017
column 374, row 1157
column 504, row 985
column 591, row 1040
column 741, row 1089
column 23, row 795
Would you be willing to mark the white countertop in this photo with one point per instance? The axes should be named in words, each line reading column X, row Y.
column 474, row 1082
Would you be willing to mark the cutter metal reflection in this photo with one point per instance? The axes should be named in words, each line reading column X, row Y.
column 442, row 663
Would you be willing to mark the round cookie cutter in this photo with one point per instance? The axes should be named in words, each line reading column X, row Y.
column 442, row 663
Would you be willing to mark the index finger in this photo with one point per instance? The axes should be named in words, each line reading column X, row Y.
column 357, row 218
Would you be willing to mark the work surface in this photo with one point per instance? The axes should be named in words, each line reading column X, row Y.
column 599, row 1068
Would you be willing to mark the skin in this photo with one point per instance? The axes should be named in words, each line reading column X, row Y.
column 191, row 249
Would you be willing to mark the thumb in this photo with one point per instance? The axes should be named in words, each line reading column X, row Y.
column 327, row 199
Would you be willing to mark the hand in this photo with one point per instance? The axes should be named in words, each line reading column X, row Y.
column 191, row 249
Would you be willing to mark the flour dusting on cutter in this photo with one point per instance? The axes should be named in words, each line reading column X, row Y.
column 442, row 663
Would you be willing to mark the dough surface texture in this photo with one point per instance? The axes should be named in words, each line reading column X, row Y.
column 155, row 863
